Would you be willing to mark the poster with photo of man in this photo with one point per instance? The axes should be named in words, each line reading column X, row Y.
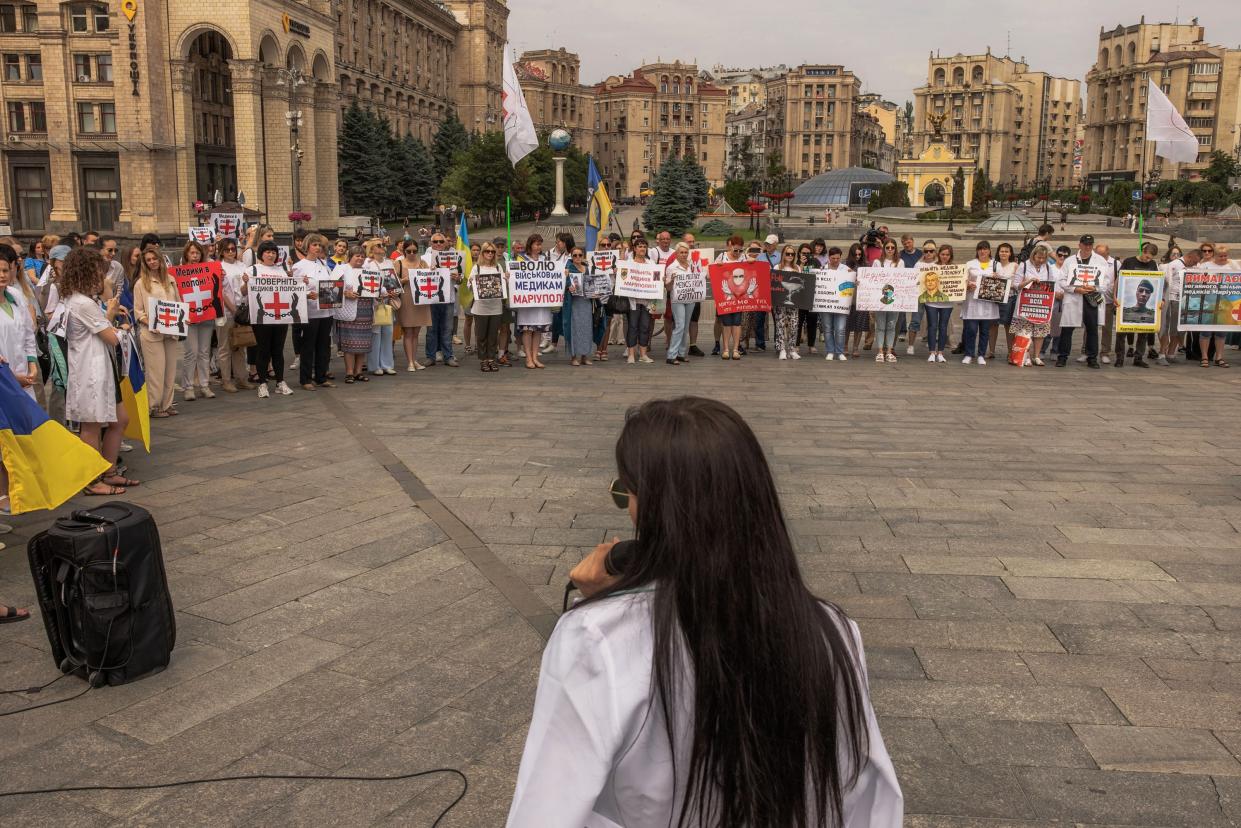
column 1140, row 296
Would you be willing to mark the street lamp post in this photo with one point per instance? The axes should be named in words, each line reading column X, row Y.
column 293, row 78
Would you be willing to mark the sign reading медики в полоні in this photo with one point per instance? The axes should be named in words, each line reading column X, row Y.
column 535, row 284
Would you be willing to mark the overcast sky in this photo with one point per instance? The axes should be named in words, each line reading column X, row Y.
column 888, row 51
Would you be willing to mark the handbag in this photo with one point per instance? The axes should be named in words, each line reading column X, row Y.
column 241, row 336
column 618, row 304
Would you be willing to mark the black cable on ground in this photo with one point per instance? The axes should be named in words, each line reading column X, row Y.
column 465, row 783
column 40, row 688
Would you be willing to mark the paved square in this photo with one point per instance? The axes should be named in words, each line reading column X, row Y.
column 1045, row 564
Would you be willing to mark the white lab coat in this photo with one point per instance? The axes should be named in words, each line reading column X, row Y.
column 17, row 342
column 1071, row 304
column 597, row 754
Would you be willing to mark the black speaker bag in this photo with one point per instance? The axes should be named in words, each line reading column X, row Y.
column 100, row 580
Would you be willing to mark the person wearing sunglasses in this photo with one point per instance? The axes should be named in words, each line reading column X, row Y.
column 578, row 314
column 487, row 283
column 886, row 321
column 646, row 741
column 1173, row 283
column 927, row 261
column 808, row 261
column 784, row 317
column 734, row 251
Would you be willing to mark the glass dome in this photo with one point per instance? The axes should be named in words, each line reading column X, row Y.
column 1006, row 223
column 839, row 188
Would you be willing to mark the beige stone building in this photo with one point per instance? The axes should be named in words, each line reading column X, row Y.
column 397, row 59
column 895, row 126
column 118, row 117
column 661, row 110
column 478, row 62
column 1202, row 81
column 744, row 86
column 746, row 137
column 1018, row 125
column 813, row 117
column 550, row 81
column 930, row 177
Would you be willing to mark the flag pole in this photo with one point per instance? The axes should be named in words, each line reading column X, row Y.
column 508, row 221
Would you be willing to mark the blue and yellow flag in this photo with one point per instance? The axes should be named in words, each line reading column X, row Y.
column 134, row 398
column 599, row 211
column 47, row 464
column 463, row 246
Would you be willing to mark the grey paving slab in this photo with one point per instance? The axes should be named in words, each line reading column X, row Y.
column 1051, row 628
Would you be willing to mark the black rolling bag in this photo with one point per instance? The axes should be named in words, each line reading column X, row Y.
column 99, row 576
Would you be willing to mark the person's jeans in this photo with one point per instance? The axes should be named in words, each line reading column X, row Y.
column 833, row 325
column 316, row 353
column 915, row 321
column 638, row 327
column 380, row 358
column 937, row 320
column 975, row 335
column 1090, row 321
column 680, row 330
column 439, row 335
column 885, row 329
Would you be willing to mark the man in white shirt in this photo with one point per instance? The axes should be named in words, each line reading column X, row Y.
column 1174, row 279
column 1084, row 275
column 439, row 335
column 1107, row 318
column 663, row 253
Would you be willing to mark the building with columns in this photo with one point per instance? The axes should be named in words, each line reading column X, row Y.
column 478, row 62
column 1016, row 124
column 549, row 79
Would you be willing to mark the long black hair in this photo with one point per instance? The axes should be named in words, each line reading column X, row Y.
column 770, row 669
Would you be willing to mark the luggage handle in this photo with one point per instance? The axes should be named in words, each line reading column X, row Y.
column 87, row 516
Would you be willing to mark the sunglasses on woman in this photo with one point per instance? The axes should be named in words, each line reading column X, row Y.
column 619, row 495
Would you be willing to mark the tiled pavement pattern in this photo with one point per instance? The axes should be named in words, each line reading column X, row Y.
column 1045, row 564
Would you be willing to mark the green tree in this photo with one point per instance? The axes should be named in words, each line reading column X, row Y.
column 420, row 188
column 958, row 189
column 450, row 139
column 672, row 207
column 361, row 170
column 696, row 182
column 737, row 193
column 1118, row 199
column 978, row 198
column 1222, row 167
column 892, row 194
column 481, row 177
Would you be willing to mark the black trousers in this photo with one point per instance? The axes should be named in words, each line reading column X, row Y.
column 487, row 334
column 638, row 326
column 1090, row 321
column 316, row 350
column 269, row 344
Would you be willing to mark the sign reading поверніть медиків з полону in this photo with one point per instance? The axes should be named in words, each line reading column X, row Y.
column 535, row 284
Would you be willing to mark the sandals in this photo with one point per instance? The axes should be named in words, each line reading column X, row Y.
column 12, row 614
column 111, row 490
column 159, row 415
column 362, row 378
column 1219, row 363
column 115, row 478
column 348, row 379
column 1206, row 363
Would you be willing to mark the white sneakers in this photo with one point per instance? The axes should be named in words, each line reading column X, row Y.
column 969, row 360
column 931, row 358
column 982, row 360
column 783, row 355
column 283, row 388
column 830, row 357
column 879, row 357
column 844, row 358
column 645, row 359
column 940, row 358
column 794, row 355
column 263, row 392
column 1081, row 358
column 909, row 351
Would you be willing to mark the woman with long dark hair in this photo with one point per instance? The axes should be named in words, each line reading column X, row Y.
column 706, row 685
column 858, row 323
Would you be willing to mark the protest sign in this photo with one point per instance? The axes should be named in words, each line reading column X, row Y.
column 489, row 286
column 598, row 283
column 227, row 225
column 203, row 235
column 276, row 298
column 449, row 259
column 369, row 280
column 640, row 281
column 331, row 292
column 787, row 286
column 432, row 286
column 1140, row 293
column 199, row 287
column 690, row 286
column 889, row 289
column 1035, row 304
column 535, row 284
column 702, row 257
column 169, row 318
column 993, row 289
column 282, row 255
column 1085, row 276
column 943, row 283
column 827, row 291
column 604, row 260
column 741, row 287
column 1211, row 302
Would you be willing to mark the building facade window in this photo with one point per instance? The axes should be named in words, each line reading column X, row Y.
column 101, row 194
column 27, row 116
column 12, row 67
column 87, row 123
column 32, row 193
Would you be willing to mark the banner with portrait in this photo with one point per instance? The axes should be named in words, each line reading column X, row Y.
column 276, row 297
column 889, row 289
column 643, row 281
column 741, row 287
column 1211, row 302
column 199, row 286
column 535, row 284
column 944, row 283
column 1140, row 293
column 827, row 291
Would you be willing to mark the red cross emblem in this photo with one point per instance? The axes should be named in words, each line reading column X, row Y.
column 1236, row 312
column 168, row 317
column 370, row 282
column 226, row 227
column 427, row 288
column 275, row 307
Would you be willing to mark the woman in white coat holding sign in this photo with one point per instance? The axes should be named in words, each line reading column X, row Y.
column 705, row 685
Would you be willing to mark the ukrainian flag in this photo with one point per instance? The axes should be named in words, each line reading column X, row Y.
column 47, row 465
column 134, row 398
column 599, row 213
column 463, row 246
